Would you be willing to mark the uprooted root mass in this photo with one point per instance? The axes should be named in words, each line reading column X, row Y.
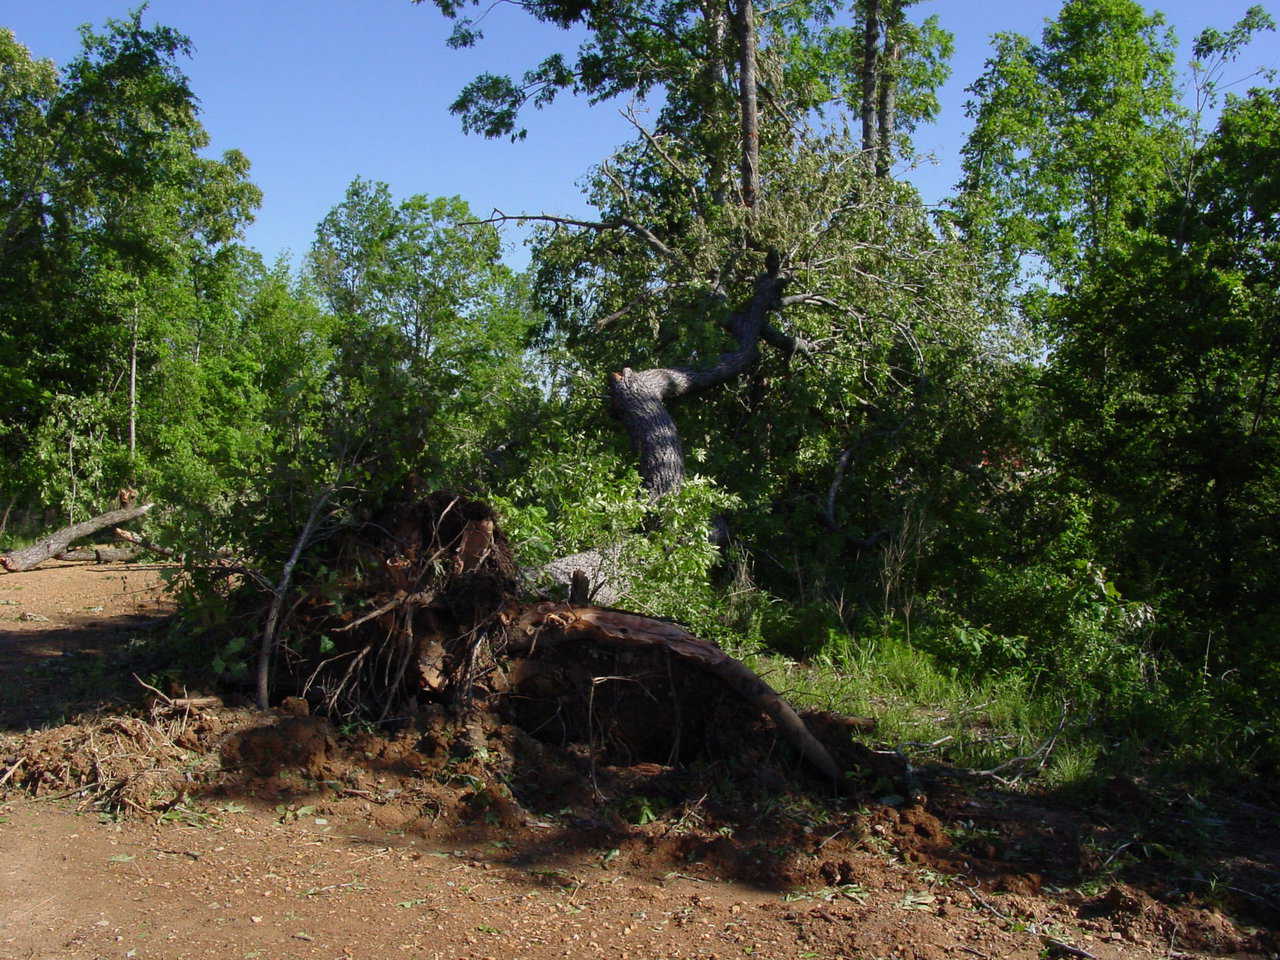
column 417, row 609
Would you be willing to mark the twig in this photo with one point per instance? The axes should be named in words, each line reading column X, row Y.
column 1053, row 943
column 195, row 703
column 623, row 223
column 982, row 901
column 1041, row 753
column 69, row 793
column 144, row 683
column 1116, row 852
column 391, row 604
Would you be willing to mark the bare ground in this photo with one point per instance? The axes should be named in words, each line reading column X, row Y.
column 167, row 832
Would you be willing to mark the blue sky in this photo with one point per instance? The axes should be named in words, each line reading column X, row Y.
column 318, row 92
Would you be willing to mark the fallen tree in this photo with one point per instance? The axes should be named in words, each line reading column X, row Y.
column 417, row 610
column 101, row 554
column 49, row 547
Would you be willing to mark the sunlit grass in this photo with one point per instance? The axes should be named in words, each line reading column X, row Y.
column 933, row 713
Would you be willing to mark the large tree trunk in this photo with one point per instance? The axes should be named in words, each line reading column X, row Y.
column 51, row 546
column 870, row 74
column 747, row 100
column 716, row 81
column 639, row 398
column 888, row 98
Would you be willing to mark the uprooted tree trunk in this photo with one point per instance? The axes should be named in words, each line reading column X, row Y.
column 551, row 624
column 424, row 615
column 51, row 546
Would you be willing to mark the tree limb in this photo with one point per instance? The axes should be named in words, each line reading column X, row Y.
column 638, row 397
column 269, row 641
column 619, row 223
column 42, row 550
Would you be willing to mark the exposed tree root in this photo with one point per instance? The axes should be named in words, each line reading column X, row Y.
column 549, row 624
column 418, row 608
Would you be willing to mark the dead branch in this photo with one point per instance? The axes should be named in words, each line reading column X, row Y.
column 36, row 554
column 267, row 647
column 621, row 223
column 1040, row 755
column 12, row 770
column 138, row 541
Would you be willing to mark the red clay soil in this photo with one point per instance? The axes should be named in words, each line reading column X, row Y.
column 212, row 831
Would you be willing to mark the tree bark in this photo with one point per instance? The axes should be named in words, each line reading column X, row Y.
column 133, row 387
column 128, row 536
column 746, row 25
column 102, row 554
column 42, row 550
column 888, row 101
column 870, row 74
column 716, row 81
column 639, row 398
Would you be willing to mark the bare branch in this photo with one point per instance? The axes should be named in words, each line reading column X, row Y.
column 621, row 223
column 269, row 635
column 629, row 115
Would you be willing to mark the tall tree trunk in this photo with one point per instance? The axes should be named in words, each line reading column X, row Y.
column 749, row 107
column 890, row 58
column 638, row 398
column 715, row 81
column 888, row 100
column 133, row 387
column 870, row 74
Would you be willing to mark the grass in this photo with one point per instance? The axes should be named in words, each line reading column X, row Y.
column 919, row 706
column 932, row 712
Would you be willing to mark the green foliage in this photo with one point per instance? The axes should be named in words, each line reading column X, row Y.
column 74, row 456
column 430, row 326
column 116, row 254
column 562, row 505
column 1071, row 136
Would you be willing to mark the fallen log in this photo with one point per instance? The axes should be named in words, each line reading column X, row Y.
column 101, row 554
column 51, row 546
column 550, row 623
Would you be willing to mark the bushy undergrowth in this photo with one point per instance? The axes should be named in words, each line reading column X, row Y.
column 937, row 691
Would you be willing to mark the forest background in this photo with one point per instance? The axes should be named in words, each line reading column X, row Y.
column 1016, row 448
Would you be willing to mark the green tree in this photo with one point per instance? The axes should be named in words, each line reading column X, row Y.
column 1157, row 242
column 116, row 232
column 749, row 251
column 1071, row 137
column 430, row 333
